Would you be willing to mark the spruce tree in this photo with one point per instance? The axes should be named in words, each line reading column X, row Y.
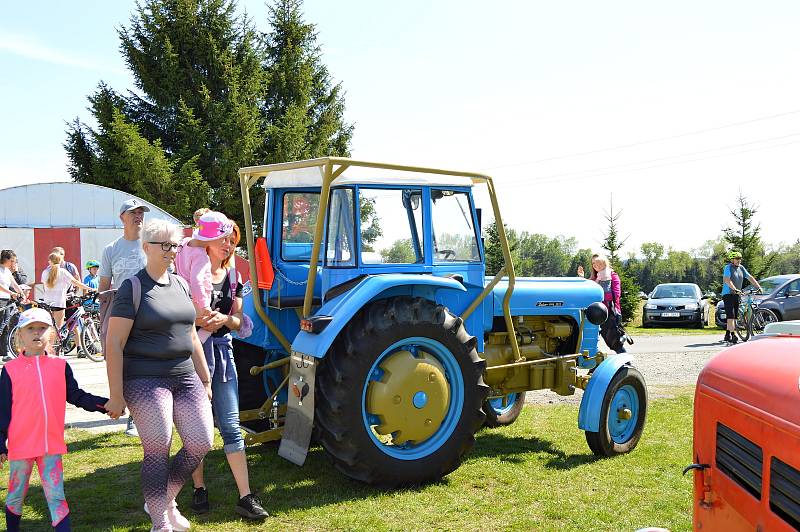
column 202, row 97
column 199, row 77
column 612, row 242
column 745, row 236
column 303, row 111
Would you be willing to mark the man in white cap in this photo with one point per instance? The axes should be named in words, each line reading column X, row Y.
column 122, row 258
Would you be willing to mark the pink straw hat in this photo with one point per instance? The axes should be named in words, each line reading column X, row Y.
column 211, row 226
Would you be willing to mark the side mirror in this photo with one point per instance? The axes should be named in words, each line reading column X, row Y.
column 643, row 296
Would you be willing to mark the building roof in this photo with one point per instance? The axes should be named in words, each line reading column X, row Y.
column 65, row 204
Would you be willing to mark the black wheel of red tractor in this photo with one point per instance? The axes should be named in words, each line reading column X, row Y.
column 400, row 394
column 503, row 411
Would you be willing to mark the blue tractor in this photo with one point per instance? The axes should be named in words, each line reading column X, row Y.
column 378, row 335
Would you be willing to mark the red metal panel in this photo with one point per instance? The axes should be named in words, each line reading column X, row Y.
column 243, row 267
column 46, row 239
column 753, row 390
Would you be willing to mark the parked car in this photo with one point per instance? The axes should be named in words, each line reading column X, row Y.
column 676, row 303
column 779, row 293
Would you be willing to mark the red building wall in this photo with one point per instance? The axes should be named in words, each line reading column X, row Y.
column 46, row 239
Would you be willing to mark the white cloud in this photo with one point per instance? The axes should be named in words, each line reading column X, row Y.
column 24, row 46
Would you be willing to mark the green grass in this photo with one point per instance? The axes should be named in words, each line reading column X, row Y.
column 537, row 474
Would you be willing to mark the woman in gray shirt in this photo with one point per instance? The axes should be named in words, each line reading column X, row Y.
column 156, row 367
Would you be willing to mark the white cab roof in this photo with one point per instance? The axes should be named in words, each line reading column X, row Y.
column 783, row 328
column 312, row 177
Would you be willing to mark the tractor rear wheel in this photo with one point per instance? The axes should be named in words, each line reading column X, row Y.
column 400, row 394
column 622, row 414
column 503, row 411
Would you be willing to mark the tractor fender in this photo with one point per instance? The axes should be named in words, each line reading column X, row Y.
column 592, row 402
column 343, row 307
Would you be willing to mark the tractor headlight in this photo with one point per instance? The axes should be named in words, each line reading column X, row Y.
column 650, row 306
column 691, row 306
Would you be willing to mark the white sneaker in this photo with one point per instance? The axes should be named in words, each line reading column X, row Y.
column 176, row 519
column 131, row 429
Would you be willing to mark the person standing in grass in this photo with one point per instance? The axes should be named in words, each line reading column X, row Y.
column 225, row 302
column 733, row 276
column 33, row 391
column 121, row 259
column 156, row 367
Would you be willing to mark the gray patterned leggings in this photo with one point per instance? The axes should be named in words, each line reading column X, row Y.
column 155, row 403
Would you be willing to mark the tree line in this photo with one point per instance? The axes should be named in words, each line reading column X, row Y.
column 536, row 255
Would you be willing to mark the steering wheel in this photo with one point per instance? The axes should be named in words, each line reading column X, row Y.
column 448, row 253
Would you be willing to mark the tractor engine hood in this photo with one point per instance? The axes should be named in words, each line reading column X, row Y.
column 547, row 295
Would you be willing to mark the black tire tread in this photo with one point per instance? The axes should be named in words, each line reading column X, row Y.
column 600, row 442
column 494, row 421
column 341, row 373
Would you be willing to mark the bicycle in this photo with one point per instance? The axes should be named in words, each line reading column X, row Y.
column 80, row 321
column 752, row 319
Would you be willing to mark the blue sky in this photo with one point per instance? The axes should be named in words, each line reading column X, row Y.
column 563, row 102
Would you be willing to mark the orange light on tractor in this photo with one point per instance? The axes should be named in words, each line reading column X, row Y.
column 315, row 324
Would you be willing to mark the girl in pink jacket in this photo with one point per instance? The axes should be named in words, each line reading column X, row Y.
column 193, row 264
column 34, row 389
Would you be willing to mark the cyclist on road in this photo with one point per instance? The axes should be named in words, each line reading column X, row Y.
column 733, row 277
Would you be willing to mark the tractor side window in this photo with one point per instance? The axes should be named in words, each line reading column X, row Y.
column 391, row 226
column 300, row 211
column 454, row 237
column 339, row 251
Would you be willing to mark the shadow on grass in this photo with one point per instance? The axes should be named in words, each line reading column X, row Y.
column 490, row 443
column 103, row 484
column 110, row 496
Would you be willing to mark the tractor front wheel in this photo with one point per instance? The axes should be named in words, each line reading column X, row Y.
column 400, row 394
column 503, row 411
column 622, row 415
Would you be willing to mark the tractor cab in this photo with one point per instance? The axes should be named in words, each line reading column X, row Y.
column 406, row 223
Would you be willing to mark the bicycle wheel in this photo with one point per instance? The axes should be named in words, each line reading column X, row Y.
column 761, row 318
column 68, row 342
column 11, row 344
column 743, row 324
column 90, row 341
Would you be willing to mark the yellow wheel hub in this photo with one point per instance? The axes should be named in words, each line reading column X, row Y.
column 411, row 398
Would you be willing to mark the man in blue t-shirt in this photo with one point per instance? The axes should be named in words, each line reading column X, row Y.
column 733, row 277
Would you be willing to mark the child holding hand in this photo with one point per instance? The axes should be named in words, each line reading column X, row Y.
column 192, row 262
column 34, row 388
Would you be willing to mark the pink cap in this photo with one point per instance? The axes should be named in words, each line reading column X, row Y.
column 211, row 226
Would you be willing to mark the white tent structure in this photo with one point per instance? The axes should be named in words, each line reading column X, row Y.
column 79, row 217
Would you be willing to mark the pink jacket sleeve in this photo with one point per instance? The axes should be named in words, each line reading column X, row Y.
column 616, row 290
column 194, row 265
